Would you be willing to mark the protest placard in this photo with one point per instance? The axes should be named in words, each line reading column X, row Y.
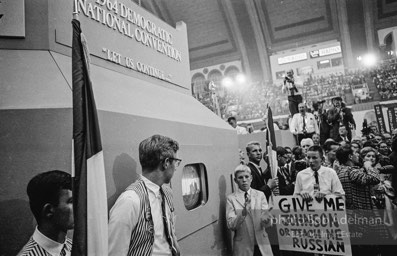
column 313, row 227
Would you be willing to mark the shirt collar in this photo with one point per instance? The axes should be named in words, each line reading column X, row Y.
column 318, row 171
column 243, row 192
column 153, row 187
column 256, row 166
column 51, row 246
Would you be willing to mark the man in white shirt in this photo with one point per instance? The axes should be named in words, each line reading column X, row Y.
column 303, row 124
column 51, row 202
column 317, row 181
column 247, row 215
column 142, row 221
column 233, row 123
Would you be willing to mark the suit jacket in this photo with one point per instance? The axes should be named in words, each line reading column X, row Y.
column 249, row 228
column 334, row 118
column 286, row 181
column 259, row 180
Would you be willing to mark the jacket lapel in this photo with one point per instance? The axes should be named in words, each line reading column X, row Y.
column 239, row 199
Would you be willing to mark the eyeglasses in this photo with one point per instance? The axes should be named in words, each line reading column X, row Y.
column 178, row 161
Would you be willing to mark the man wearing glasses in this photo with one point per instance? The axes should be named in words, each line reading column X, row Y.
column 142, row 221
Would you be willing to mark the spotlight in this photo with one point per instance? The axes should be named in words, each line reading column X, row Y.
column 241, row 78
column 227, row 82
column 369, row 60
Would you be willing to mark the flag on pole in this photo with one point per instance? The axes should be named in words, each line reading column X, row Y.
column 89, row 184
column 271, row 147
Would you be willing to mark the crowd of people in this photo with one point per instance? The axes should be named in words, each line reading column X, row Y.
column 250, row 102
column 385, row 79
column 361, row 171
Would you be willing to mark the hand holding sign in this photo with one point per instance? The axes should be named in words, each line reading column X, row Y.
column 319, row 196
column 266, row 218
column 306, row 196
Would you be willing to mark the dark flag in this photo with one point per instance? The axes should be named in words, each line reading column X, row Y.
column 89, row 183
column 271, row 146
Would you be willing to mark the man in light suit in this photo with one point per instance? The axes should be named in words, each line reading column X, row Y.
column 248, row 215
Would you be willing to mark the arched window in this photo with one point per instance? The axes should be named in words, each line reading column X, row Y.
column 231, row 71
column 215, row 76
column 198, row 83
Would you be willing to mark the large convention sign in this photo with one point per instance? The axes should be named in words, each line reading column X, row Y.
column 313, row 227
column 125, row 34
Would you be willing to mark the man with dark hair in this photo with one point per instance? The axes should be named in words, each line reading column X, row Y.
column 233, row 123
column 142, row 219
column 317, row 181
column 286, row 180
column 330, row 147
column 51, row 202
column 357, row 184
column 321, row 116
column 340, row 115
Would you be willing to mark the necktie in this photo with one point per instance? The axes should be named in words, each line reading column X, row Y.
column 246, row 196
column 63, row 252
column 316, row 177
column 260, row 170
column 317, row 184
column 165, row 222
column 304, row 124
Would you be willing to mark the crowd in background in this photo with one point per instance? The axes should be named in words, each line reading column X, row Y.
column 250, row 102
column 385, row 79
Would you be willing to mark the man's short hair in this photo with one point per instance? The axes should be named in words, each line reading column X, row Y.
column 241, row 168
column 231, row 118
column 298, row 153
column 328, row 144
column 318, row 149
column 45, row 188
column 343, row 153
column 153, row 150
column 281, row 151
column 250, row 144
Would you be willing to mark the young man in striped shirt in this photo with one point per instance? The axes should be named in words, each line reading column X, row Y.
column 51, row 202
column 142, row 221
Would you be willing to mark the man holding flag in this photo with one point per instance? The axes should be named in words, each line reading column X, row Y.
column 89, row 183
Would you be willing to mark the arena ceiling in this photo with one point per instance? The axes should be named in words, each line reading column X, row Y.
column 226, row 30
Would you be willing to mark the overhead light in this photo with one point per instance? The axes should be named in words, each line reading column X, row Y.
column 369, row 60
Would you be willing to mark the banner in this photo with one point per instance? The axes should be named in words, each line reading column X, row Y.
column 312, row 227
column 380, row 119
column 391, row 115
column 271, row 147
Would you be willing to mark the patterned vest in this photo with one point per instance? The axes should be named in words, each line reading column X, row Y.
column 142, row 237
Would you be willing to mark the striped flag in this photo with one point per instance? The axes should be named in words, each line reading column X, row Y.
column 89, row 184
column 271, row 146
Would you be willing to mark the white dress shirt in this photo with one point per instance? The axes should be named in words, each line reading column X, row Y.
column 328, row 181
column 124, row 217
column 296, row 125
column 241, row 130
column 52, row 247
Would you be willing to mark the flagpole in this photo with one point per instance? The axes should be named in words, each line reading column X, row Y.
column 75, row 12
